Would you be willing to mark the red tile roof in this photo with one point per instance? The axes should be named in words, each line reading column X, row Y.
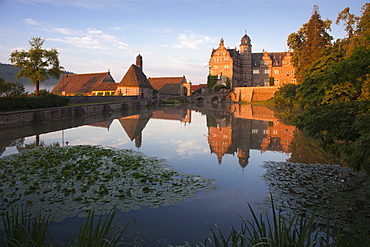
column 135, row 77
column 196, row 87
column 85, row 83
column 159, row 82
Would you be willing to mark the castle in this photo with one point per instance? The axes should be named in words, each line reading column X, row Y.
column 242, row 68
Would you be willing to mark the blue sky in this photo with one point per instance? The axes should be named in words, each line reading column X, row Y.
column 175, row 37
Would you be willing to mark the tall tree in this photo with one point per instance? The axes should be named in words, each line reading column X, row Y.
column 363, row 27
column 350, row 21
column 309, row 42
column 37, row 64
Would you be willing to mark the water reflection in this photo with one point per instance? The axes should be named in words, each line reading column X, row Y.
column 232, row 130
column 194, row 140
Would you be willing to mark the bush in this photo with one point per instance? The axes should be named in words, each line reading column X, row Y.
column 25, row 103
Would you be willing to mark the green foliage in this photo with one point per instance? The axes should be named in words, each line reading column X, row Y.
column 335, row 88
column 24, row 103
column 309, row 42
column 286, row 95
column 11, row 89
column 211, row 81
column 37, row 64
column 343, row 129
column 170, row 101
column 271, row 81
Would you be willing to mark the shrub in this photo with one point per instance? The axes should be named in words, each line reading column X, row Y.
column 25, row 103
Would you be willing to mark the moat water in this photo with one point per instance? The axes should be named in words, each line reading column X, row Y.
column 230, row 144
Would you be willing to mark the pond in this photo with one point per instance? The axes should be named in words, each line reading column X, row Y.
column 236, row 150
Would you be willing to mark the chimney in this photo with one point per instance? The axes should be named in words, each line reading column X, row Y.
column 139, row 62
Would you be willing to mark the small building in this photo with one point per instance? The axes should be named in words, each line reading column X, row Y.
column 134, row 82
column 171, row 86
column 86, row 84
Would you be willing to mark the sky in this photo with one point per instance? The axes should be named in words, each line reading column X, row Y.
column 174, row 37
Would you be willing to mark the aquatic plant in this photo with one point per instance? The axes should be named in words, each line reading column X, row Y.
column 339, row 194
column 70, row 181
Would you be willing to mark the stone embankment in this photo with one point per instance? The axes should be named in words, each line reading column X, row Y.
column 58, row 113
column 250, row 94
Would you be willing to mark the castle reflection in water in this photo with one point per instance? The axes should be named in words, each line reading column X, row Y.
column 234, row 129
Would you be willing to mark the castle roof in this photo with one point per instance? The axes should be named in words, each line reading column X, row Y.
column 135, row 77
column 85, row 83
column 246, row 40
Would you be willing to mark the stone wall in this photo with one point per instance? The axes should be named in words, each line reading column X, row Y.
column 249, row 94
column 57, row 113
column 98, row 99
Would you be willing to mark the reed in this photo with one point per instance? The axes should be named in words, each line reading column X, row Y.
column 277, row 230
column 21, row 229
column 101, row 234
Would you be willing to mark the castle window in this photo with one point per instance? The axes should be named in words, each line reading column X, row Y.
column 293, row 80
column 276, row 71
column 266, row 71
column 216, row 59
column 256, row 71
column 254, row 131
column 226, row 66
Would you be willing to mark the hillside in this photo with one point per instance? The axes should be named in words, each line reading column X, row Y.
column 8, row 73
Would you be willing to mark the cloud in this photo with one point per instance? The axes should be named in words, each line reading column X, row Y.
column 115, row 28
column 31, row 22
column 191, row 40
column 89, row 39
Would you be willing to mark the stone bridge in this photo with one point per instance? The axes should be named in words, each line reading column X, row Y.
column 210, row 98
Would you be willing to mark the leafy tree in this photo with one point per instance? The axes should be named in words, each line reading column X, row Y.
column 363, row 27
column 309, row 42
column 37, row 64
column 343, row 130
column 350, row 22
column 11, row 89
column 211, row 81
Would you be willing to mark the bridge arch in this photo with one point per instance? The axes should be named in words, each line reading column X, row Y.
column 215, row 99
column 200, row 100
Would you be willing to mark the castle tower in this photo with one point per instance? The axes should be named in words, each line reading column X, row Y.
column 139, row 62
column 246, row 61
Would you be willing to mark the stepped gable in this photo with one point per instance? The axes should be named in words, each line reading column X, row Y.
column 84, row 83
column 135, row 77
column 233, row 52
column 158, row 82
